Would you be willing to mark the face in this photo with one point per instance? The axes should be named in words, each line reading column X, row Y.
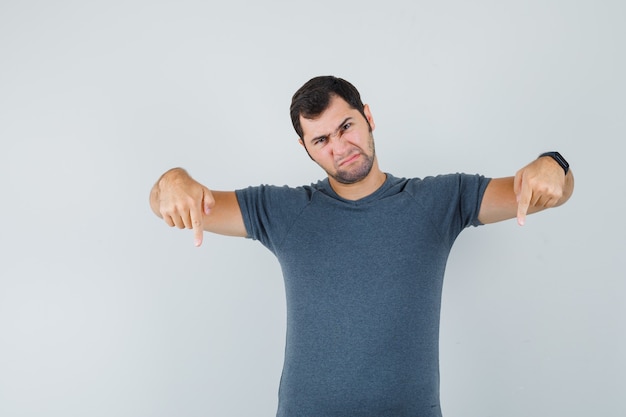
column 340, row 141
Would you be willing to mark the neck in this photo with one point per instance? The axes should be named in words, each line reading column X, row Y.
column 374, row 180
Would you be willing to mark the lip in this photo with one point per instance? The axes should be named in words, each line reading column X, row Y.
column 349, row 159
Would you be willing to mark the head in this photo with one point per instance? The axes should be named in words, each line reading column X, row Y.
column 315, row 95
column 335, row 128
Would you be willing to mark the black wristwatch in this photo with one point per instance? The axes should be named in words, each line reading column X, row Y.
column 558, row 158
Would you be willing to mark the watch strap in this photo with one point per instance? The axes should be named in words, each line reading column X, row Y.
column 558, row 158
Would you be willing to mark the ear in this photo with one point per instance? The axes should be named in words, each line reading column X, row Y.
column 301, row 142
column 368, row 116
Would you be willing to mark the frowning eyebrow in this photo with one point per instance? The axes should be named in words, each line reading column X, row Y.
column 342, row 124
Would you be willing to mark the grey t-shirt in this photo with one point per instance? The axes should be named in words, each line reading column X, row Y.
column 363, row 283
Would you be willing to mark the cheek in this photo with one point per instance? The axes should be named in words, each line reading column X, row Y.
column 322, row 156
column 359, row 142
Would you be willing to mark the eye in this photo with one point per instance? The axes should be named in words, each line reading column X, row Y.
column 347, row 126
column 320, row 141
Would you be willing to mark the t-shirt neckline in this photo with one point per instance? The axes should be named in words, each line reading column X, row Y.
column 328, row 189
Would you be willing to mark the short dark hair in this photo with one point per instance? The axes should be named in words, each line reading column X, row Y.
column 314, row 97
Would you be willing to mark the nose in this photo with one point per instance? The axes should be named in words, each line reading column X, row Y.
column 339, row 143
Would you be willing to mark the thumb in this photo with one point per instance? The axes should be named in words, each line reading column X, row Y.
column 523, row 202
column 207, row 203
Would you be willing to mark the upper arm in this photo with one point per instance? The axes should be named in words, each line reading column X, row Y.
column 225, row 215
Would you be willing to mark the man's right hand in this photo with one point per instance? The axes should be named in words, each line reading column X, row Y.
column 181, row 201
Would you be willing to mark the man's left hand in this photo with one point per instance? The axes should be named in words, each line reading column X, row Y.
column 540, row 184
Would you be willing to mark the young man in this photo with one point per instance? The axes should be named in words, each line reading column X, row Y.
column 363, row 255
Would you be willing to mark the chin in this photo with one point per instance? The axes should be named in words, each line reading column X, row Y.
column 354, row 176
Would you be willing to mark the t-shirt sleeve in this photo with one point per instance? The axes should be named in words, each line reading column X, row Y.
column 471, row 189
column 453, row 201
column 269, row 211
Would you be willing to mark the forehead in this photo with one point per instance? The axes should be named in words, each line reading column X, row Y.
column 327, row 122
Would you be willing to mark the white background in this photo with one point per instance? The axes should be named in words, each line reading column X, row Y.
column 105, row 311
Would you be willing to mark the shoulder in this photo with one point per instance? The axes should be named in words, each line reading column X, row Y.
column 281, row 190
column 274, row 195
column 444, row 183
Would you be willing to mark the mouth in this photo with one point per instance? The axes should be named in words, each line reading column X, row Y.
column 349, row 159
